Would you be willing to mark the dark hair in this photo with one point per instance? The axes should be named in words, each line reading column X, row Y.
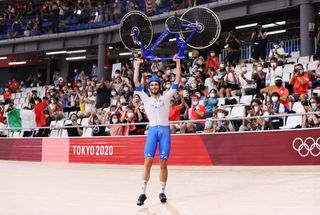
column 275, row 94
column 258, row 101
column 110, row 120
column 73, row 114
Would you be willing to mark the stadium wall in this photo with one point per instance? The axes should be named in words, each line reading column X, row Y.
column 289, row 147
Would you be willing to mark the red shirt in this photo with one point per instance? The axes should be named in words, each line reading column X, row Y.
column 15, row 86
column 40, row 116
column 213, row 63
column 283, row 92
column 7, row 95
column 298, row 88
column 175, row 113
column 1, row 117
column 194, row 116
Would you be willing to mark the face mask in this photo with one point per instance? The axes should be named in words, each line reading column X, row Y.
column 168, row 86
column 69, row 84
column 183, row 80
column 313, row 106
column 89, row 93
column 243, row 69
column 53, row 101
column 168, row 72
column 96, row 121
column 195, row 103
column 36, row 102
column 122, row 100
column 220, row 115
column 273, row 64
column 124, row 108
column 221, row 66
column 193, row 85
column 79, row 84
column 212, row 54
column 114, row 120
column 276, row 46
column 141, row 108
column 278, row 84
column 259, row 68
column 130, row 114
column 200, row 62
column 274, row 98
column 116, row 75
column 136, row 99
column 212, row 95
column 47, row 116
column 126, row 89
column 113, row 93
column 256, row 108
column 316, row 62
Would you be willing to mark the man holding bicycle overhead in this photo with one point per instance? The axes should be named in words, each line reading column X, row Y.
column 157, row 109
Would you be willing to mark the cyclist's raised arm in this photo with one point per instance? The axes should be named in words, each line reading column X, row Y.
column 178, row 69
column 137, row 64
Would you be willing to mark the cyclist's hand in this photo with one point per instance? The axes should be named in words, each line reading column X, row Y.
column 175, row 59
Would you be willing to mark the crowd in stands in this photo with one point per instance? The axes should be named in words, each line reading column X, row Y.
column 26, row 18
column 211, row 90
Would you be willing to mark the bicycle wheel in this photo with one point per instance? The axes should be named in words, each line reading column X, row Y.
column 210, row 27
column 135, row 21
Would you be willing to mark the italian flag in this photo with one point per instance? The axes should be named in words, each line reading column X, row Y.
column 21, row 118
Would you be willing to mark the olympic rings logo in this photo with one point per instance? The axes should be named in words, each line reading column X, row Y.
column 306, row 147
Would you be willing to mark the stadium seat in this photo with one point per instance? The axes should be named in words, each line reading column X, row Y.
column 13, row 96
column 295, row 54
column 237, row 111
column 288, row 69
column 1, row 97
column 87, row 132
column 286, row 77
column 292, row 60
column 64, row 133
column 246, row 99
column 18, row 95
column 298, row 107
column 292, row 122
column 312, row 66
column 60, row 123
column 55, row 133
column 303, row 59
column 221, row 101
column 85, row 121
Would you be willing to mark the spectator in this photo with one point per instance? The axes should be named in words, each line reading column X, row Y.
column 277, row 52
column 176, row 4
column 211, row 101
column 195, row 112
column 150, row 7
column 300, row 82
column 44, row 132
column 74, row 131
column 309, row 121
column 6, row 96
column 39, row 108
column 231, row 82
column 259, row 39
column 94, row 72
column 219, row 124
column 246, row 81
column 55, row 109
column 115, row 130
column 213, row 61
column 212, row 81
column 14, row 30
column 117, row 9
column 103, row 94
column 318, row 42
column 233, row 47
column 131, row 116
column 142, row 128
column 258, row 123
column 276, row 108
column 273, row 71
column 97, row 120
column 282, row 91
column 259, row 77
column 175, row 110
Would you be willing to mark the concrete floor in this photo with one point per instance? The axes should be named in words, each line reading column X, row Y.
column 61, row 189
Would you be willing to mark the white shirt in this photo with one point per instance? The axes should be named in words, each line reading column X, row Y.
column 208, row 83
column 157, row 110
column 248, row 75
column 272, row 74
column 280, row 51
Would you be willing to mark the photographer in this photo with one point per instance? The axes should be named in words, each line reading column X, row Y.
column 300, row 82
column 259, row 39
column 309, row 121
column 233, row 47
column 277, row 52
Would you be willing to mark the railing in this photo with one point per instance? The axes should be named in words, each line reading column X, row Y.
column 171, row 122
column 292, row 45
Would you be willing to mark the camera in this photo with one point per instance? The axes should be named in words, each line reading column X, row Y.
column 295, row 71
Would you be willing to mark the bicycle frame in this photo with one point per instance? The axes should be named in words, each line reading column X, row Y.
column 182, row 45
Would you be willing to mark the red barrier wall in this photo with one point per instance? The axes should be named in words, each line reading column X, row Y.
column 291, row 147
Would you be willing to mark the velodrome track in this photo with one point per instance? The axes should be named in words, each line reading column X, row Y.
column 29, row 188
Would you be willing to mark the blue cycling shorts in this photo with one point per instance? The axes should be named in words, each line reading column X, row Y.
column 158, row 134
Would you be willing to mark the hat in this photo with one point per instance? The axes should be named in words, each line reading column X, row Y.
column 278, row 78
column 195, row 95
column 221, row 109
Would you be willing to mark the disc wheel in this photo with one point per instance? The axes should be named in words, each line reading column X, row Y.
column 135, row 21
column 209, row 31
